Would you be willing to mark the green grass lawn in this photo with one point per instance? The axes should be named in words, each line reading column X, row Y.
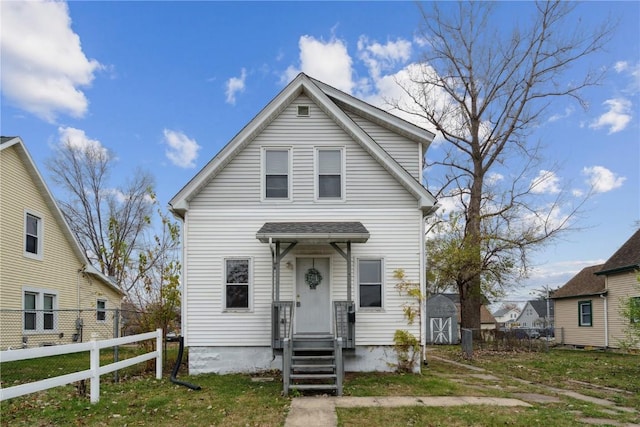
column 239, row 400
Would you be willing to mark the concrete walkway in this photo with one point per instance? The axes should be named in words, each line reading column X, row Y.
column 321, row 411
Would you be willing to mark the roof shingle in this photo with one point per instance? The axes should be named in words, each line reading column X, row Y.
column 586, row 282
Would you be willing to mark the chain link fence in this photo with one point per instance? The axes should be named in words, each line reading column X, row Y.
column 36, row 328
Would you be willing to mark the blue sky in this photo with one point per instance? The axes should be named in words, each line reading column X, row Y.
column 164, row 85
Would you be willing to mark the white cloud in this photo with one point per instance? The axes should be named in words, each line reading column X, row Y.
column 545, row 183
column 328, row 62
column 567, row 112
column 621, row 66
column 182, row 151
column 602, row 179
column 43, row 65
column 235, row 85
column 78, row 140
column 382, row 57
column 618, row 116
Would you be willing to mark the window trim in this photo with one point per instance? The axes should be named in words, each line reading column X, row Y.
column 40, row 246
column 580, row 314
column 249, row 307
column 382, row 284
column 634, row 301
column 316, row 174
column 40, row 310
column 263, row 173
column 101, row 310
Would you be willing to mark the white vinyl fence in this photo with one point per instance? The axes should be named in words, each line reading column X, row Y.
column 94, row 371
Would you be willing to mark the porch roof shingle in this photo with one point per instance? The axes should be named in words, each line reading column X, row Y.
column 313, row 232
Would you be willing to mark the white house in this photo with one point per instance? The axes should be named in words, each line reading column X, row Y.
column 534, row 314
column 293, row 231
column 506, row 316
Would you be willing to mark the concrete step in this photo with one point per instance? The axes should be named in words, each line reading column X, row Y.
column 313, row 376
column 313, row 386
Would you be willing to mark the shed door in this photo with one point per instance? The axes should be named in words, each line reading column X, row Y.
column 313, row 306
column 441, row 330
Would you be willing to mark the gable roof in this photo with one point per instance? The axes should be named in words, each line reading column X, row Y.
column 626, row 258
column 333, row 103
column 485, row 314
column 585, row 283
column 540, row 307
column 15, row 141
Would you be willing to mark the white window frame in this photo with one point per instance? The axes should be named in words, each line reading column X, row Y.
column 39, row 247
column 316, row 174
column 382, row 284
column 263, row 173
column 40, row 310
column 102, row 310
column 581, row 314
column 249, row 307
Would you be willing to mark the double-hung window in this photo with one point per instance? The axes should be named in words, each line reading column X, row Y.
column 276, row 173
column 33, row 235
column 39, row 308
column 585, row 313
column 237, row 283
column 370, row 283
column 330, row 173
column 101, row 310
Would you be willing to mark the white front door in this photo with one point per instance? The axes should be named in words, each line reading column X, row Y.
column 313, row 304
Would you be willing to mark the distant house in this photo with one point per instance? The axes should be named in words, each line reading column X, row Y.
column 506, row 316
column 293, row 231
column 443, row 319
column 534, row 314
column 46, row 281
column 587, row 310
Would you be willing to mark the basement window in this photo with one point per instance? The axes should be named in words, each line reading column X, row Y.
column 303, row 111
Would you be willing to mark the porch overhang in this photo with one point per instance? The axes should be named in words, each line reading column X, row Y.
column 313, row 232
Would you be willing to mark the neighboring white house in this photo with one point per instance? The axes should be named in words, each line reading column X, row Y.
column 506, row 316
column 295, row 229
column 534, row 314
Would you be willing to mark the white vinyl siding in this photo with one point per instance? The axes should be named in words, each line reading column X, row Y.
column 405, row 152
column 225, row 215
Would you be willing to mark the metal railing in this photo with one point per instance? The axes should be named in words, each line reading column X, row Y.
column 281, row 323
column 345, row 322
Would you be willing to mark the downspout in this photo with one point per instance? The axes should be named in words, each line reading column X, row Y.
column 606, row 322
column 423, row 291
column 273, row 268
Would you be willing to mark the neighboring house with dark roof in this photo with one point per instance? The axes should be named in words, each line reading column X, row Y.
column 587, row 310
column 46, row 279
column 294, row 230
column 534, row 314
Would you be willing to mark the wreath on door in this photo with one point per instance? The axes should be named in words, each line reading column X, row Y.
column 313, row 277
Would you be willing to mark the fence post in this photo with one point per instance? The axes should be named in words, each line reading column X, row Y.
column 116, row 334
column 467, row 343
column 95, row 374
column 159, row 350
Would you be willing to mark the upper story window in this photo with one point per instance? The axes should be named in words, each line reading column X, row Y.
column 277, row 173
column 33, row 234
column 585, row 313
column 330, row 173
column 237, row 283
column 39, row 310
column 370, row 283
column 101, row 310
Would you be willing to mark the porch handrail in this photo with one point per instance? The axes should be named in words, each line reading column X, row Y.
column 281, row 323
column 344, row 322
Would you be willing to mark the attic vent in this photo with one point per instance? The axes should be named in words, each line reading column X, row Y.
column 303, row 111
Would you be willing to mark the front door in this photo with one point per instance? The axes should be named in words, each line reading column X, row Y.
column 313, row 305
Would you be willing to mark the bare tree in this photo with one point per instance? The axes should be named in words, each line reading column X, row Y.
column 484, row 90
column 108, row 222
